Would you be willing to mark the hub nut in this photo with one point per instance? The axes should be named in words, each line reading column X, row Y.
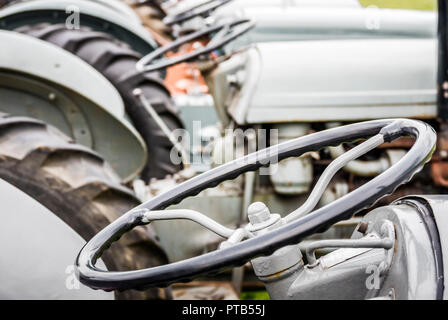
column 258, row 212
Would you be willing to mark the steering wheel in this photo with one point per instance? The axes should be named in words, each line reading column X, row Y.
column 297, row 225
column 223, row 34
column 203, row 9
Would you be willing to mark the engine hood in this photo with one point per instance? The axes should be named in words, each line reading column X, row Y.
column 312, row 81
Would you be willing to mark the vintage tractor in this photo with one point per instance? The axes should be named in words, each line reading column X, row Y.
column 34, row 265
column 251, row 93
column 302, row 20
column 397, row 251
column 81, row 176
column 66, row 141
column 274, row 92
column 112, row 42
column 61, row 91
column 276, row 21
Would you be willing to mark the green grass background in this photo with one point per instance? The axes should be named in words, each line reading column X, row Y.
column 402, row 4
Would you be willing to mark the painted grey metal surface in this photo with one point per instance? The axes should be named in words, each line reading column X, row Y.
column 341, row 274
column 413, row 253
column 319, row 23
column 405, row 271
column 332, row 80
column 270, row 14
column 438, row 206
column 138, row 37
column 295, row 3
column 38, row 252
column 100, row 106
column 122, row 8
column 238, row 4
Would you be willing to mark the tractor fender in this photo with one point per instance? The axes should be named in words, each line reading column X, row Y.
column 101, row 107
column 93, row 14
column 47, row 247
column 433, row 210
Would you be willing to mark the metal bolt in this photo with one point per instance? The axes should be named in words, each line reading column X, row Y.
column 137, row 92
column 258, row 213
column 51, row 96
column 445, row 85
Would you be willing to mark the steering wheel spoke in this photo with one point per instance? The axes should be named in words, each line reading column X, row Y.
column 329, row 173
column 187, row 214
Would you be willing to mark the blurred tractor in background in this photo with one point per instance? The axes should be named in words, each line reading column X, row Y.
column 58, row 115
column 278, row 91
column 75, row 139
column 111, row 41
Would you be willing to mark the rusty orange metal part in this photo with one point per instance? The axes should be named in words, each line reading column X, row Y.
column 439, row 172
column 185, row 77
column 180, row 79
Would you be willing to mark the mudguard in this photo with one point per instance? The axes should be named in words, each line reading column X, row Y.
column 88, row 107
column 37, row 252
column 98, row 15
column 433, row 209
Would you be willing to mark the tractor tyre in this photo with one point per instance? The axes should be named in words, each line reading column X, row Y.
column 77, row 185
column 116, row 61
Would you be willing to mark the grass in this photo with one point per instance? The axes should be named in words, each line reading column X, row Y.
column 255, row 295
column 402, row 4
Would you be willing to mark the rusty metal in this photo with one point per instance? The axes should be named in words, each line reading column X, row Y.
column 151, row 16
column 401, row 143
column 185, row 77
column 439, row 162
column 204, row 290
column 180, row 79
column 362, row 227
column 439, row 171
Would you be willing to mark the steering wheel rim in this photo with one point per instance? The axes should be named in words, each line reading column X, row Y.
column 142, row 63
column 199, row 10
column 263, row 245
